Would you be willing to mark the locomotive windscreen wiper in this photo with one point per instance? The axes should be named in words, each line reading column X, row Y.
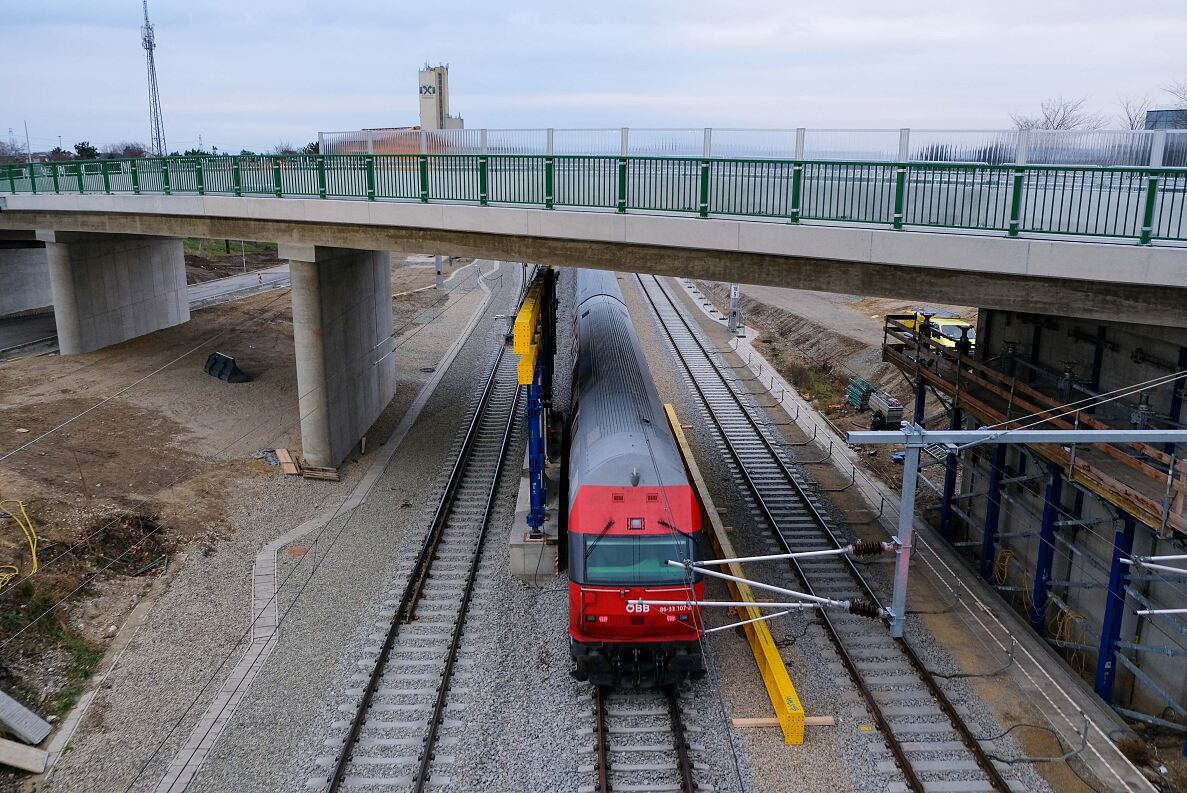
column 601, row 534
column 667, row 525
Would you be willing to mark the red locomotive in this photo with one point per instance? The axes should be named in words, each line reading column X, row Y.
column 631, row 509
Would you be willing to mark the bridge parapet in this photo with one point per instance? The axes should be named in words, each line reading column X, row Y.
column 1142, row 204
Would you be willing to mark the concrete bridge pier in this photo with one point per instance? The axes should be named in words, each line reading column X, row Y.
column 109, row 288
column 24, row 274
column 342, row 334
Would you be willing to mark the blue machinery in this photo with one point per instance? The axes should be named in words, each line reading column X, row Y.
column 534, row 341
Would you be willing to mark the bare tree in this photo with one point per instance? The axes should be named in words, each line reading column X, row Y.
column 1177, row 89
column 128, row 149
column 1060, row 113
column 1133, row 112
column 284, row 147
column 11, row 152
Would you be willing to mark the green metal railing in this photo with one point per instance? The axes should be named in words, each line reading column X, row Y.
column 1144, row 204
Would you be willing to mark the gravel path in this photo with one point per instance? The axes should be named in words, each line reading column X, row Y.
column 203, row 615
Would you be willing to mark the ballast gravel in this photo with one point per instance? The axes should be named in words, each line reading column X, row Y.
column 865, row 750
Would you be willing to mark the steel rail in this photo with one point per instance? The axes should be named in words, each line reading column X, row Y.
column 601, row 740
column 414, row 589
column 945, row 706
column 684, row 763
column 683, row 759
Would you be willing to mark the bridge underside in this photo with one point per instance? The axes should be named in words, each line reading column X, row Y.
column 1159, row 303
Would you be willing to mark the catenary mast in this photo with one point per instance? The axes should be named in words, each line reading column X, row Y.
column 148, row 39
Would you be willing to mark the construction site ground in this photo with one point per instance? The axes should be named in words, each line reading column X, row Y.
column 144, row 454
column 207, row 260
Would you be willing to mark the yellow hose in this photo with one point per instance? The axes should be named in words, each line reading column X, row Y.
column 11, row 571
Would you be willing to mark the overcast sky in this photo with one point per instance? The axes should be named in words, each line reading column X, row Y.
column 249, row 73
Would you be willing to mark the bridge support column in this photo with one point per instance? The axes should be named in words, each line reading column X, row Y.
column 342, row 334
column 109, row 288
column 24, row 274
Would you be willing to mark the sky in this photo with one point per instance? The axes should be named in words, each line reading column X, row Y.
column 248, row 74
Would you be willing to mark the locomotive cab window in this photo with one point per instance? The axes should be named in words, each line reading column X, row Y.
column 634, row 560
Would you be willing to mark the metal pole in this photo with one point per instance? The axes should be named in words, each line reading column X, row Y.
column 993, row 508
column 733, row 320
column 28, row 148
column 440, row 279
column 906, row 531
column 920, row 400
column 1045, row 557
column 951, row 465
column 904, row 144
column 1110, row 630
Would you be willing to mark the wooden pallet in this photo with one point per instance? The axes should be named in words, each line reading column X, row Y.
column 328, row 474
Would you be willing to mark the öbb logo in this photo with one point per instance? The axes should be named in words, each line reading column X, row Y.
column 637, row 608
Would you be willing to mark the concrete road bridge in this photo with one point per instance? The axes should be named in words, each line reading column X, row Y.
column 1098, row 243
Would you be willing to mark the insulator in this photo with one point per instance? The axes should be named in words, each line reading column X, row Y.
column 864, row 608
column 872, row 548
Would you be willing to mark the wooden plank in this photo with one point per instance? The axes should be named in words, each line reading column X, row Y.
column 771, row 721
column 26, row 758
column 22, row 722
column 328, row 474
column 780, row 690
column 286, row 462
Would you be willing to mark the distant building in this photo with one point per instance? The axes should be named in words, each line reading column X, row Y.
column 434, row 99
column 1163, row 118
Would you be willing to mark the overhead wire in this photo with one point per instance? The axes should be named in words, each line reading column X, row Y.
column 279, row 622
column 706, row 650
column 950, row 579
column 4, row 589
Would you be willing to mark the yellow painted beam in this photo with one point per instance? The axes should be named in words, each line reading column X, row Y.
column 527, row 363
column 527, row 319
column 784, row 698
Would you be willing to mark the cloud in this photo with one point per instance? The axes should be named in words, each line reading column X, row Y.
column 248, row 74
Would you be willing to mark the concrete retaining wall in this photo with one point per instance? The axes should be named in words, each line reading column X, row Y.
column 1058, row 341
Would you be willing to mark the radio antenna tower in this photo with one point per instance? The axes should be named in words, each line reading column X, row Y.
column 148, row 39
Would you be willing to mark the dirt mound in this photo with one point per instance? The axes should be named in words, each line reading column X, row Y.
column 796, row 343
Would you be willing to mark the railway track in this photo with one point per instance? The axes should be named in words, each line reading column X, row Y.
column 409, row 696
column 642, row 742
column 932, row 747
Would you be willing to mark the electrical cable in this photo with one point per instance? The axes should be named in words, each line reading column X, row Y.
column 1126, row 391
column 280, row 620
column 929, row 557
column 5, row 588
column 681, row 544
column 122, row 391
column 1092, row 401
